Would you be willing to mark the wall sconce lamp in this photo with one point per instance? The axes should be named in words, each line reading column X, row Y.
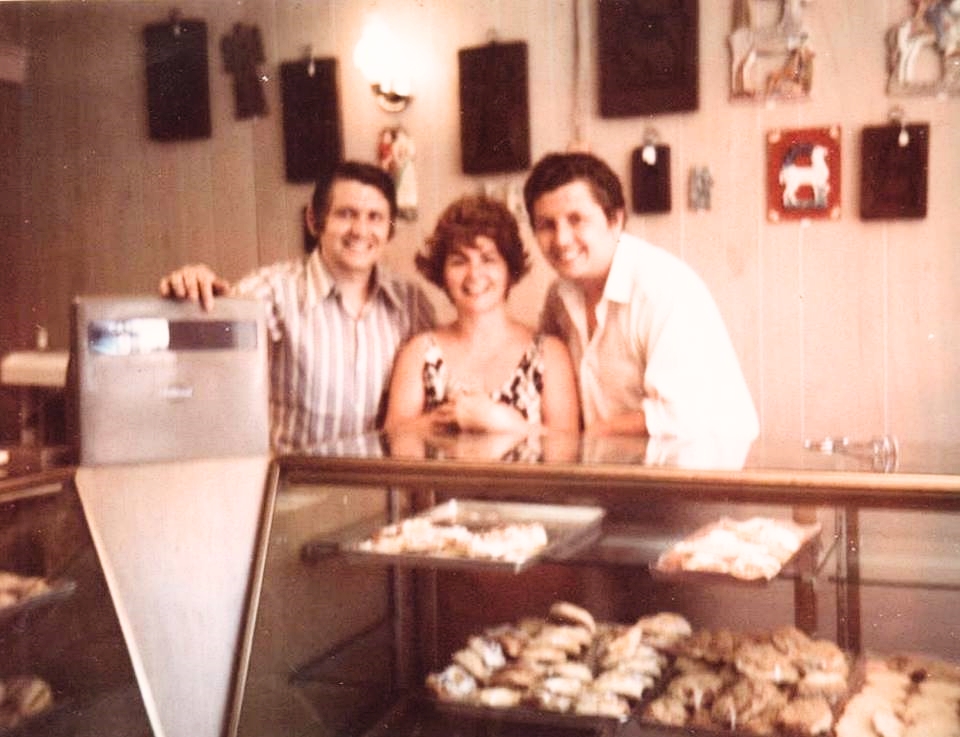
column 382, row 64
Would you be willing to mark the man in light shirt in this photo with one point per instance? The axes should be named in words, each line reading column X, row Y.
column 652, row 352
column 335, row 318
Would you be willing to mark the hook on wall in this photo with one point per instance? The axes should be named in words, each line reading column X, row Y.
column 308, row 58
column 649, row 152
column 896, row 116
column 176, row 22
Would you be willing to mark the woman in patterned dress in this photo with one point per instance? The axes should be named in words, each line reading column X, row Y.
column 485, row 371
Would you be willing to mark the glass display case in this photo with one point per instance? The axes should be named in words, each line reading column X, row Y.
column 348, row 631
column 65, row 668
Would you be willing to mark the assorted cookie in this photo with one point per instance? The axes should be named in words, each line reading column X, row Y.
column 15, row 588
column 904, row 696
column 565, row 662
column 777, row 683
column 503, row 541
column 23, row 697
column 750, row 549
column 781, row 683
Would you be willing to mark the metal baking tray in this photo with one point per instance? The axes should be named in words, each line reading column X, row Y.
column 809, row 535
column 525, row 714
column 58, row 590
column 569, row 528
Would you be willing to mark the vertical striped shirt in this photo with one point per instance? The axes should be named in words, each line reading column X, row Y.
column 329, row 370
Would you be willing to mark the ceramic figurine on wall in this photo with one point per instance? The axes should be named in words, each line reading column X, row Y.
column 770, row 61
column 396, row 152
column 924, row 50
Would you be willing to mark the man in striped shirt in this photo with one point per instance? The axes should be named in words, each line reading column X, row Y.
column 335, row 318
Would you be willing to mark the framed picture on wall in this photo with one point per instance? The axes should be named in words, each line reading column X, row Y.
column 494, row 108
column 803, row 174
column 893, row 173
column 647, row 56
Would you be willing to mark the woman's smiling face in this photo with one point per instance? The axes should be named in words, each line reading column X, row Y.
column 476, row 275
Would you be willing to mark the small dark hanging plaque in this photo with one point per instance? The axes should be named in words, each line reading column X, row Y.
column 494, row 108
column 312, row 133
column 651, row 179
column 893, row 174
column 178, row 86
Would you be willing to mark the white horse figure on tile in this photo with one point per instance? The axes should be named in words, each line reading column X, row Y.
column 816, row 175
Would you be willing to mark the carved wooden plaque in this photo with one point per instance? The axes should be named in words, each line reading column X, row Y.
column 494, row 108
column 178, row 87
column 893, row 176
column 648, row 56
column 312, row 133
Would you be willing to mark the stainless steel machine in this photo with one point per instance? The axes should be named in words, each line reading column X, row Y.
column 159, row 379
column 171, row 413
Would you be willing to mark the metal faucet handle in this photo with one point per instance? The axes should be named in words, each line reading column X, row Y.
column 882, row 450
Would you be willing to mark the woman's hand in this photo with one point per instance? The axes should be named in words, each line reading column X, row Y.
column 472, row 411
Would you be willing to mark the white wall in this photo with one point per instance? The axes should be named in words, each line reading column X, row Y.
column 842, row 327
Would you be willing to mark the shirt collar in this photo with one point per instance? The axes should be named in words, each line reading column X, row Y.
column 320, row 283
column 617, row 288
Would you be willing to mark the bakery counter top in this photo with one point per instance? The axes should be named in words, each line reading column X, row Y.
column 877, row 473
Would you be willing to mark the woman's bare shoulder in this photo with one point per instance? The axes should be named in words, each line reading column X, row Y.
column 552, row 344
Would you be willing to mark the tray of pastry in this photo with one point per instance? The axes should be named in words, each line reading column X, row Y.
column 563, row 669
column 753, row 550
column 505, row 535
column 20, row 594
column 658, row 671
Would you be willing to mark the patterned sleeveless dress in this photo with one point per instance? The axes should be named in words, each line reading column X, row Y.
column 521, row 391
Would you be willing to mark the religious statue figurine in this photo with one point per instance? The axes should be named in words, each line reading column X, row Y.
column 396, row 152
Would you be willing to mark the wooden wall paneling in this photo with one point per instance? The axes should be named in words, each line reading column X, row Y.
column 842, row 332
column 10, row 240
column 151, row 201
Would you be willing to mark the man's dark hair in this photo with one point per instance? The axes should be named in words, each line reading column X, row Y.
column 557, row 169
column 356, row 171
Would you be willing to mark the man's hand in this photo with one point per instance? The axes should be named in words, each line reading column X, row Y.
column 195, row 282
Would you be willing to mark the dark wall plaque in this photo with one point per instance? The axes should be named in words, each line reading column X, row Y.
column 648, row 56
column 312, row 131
column 178, row 86
column 893, row 175
column 494, row 108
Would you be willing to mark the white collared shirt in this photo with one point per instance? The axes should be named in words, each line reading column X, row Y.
column 660, row 346
column 329, row 370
